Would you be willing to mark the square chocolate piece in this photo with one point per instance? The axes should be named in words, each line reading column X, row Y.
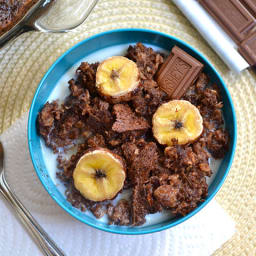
column 248, row 49
column 232, row 15
column 178, row 72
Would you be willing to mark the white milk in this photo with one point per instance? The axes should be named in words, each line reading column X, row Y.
column 61, row 91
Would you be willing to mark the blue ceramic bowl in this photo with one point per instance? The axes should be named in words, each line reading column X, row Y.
column 92, row 45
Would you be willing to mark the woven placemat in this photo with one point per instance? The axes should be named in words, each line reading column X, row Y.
column 24, row 62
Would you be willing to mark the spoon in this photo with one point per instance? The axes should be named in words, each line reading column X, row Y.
column 44, row 242
column 31, row 21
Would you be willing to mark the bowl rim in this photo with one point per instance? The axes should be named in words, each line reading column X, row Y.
column 178, row 221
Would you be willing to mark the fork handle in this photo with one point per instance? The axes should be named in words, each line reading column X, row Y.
column 45, row 243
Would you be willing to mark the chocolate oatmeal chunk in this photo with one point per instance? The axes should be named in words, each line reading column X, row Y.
column 205, row 168
column 210, row 97
column 200, row 152
column 46, row 118
column 147, row 60
column 201, row 83
column 140, row 104
column 68, row 166
column 154, row 95
column 98, row 210
column 217, row 143
column 86, row 76
column 126, row 120
column 120, row 214
column 182, row 193
column 193, row 191
column 75, row 88
column 146, row 101
column 153, row 205
column 130, row 151
column 167, row 195
column 47, row 115
column 77, row 200
column 110, row 209
column 96, row 141
column 65, row 132
column 100, row 118
column 172, row 153
column 53, row 128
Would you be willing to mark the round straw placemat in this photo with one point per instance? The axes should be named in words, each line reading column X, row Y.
column 24, row 62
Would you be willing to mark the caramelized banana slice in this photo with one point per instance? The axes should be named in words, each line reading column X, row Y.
column 99, row 174
column 179, row 120
column 116, row 78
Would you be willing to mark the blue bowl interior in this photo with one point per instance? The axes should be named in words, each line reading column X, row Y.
column 74, row 55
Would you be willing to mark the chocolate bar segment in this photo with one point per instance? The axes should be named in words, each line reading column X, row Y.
column 178, row 72
column 248, row 49
column 232, row 15
column 250, row 6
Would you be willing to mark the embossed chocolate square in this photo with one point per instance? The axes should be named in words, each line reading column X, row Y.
column 248, row 49
column 232, row 15
column 178, row 72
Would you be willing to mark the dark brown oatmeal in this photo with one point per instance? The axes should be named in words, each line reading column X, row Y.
column 172, row 178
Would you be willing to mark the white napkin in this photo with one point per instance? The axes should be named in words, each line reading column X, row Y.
column 200, row 235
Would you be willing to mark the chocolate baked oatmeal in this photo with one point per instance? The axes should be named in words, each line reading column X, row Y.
column 129, row 134
column 12, row 11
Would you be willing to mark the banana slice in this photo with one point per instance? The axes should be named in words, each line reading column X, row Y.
column 177, row 119
column 99, row 175
column 116, row 78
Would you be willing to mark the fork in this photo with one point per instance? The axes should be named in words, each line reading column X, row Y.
column 44, row 242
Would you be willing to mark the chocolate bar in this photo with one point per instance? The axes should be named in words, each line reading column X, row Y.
column 248, row 49
column 178, row 72
column 232, row 15
column 250, row 6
